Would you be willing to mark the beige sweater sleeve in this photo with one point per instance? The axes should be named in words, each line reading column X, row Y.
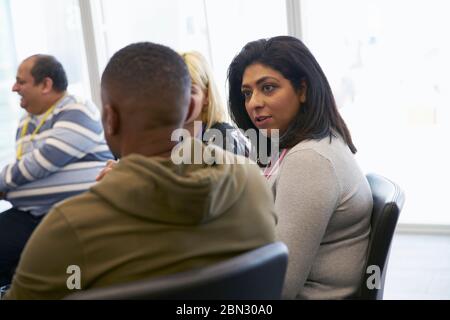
column 42, row 272
column 307, row 194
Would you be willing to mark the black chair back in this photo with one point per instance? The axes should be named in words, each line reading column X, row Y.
column 388, row 200
column 255, row 275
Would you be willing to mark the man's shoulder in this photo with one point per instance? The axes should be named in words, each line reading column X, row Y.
column 75, row 99
column 79, row 205
column 77, row 110
column 228, row 157
column 73, row 102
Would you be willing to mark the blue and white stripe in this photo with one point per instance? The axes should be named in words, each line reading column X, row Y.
column 62, row 160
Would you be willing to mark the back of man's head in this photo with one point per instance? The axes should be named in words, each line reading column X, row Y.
column 150, row 81
column 47, row 66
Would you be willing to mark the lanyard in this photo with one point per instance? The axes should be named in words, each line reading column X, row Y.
column 25, row 129
column 271, row 169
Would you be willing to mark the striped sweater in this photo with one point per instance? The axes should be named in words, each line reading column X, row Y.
column 61, row 160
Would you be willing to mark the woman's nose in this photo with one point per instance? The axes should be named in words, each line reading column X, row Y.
column 255, row 101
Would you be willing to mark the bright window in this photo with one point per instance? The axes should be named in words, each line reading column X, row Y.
column 178, row 24
column 233, row 23
column 218, row 29
column 9, row 113
column 30, row 27
column 388, row 64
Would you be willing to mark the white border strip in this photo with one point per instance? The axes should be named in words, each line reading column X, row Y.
column 432, row 229
column 294, row 18
column 87, row 24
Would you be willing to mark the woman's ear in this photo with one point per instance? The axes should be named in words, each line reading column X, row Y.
column 205, row 108
column 190, row 113
column 206, row 99
column 302, row 91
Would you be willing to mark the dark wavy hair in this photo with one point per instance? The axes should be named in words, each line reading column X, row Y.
column 317, row 118
column 47, row 66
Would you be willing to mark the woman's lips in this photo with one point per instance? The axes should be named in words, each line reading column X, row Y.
column 262, row 121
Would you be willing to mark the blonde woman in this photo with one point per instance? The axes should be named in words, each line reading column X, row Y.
column 210, row 109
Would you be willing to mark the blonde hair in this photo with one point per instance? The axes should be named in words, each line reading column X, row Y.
column 201, row 75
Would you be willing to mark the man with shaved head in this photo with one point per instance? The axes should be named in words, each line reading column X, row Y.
column 148, row 105
column 148, row 216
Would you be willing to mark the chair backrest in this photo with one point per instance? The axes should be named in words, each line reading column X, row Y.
column 255, row 275
column 388, row 200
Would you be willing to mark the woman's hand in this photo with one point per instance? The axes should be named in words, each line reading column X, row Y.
column 110, row 164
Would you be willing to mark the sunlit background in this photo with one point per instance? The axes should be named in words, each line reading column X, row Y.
column 387, row 61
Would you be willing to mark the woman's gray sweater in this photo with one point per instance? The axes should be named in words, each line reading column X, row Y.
column 324, row 204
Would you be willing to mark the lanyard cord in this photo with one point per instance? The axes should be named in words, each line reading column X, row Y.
column 272, row 168
column 25, row 129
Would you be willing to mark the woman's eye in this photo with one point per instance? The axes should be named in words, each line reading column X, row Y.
column 268, row 88
column 247, row 94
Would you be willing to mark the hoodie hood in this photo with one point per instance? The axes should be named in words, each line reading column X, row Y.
column 156, row 188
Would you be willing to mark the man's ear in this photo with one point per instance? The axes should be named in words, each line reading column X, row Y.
column 190, row 114
column 47, row 85
column 111, row 120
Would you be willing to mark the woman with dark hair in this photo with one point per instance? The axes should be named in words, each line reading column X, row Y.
column 322, row 197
